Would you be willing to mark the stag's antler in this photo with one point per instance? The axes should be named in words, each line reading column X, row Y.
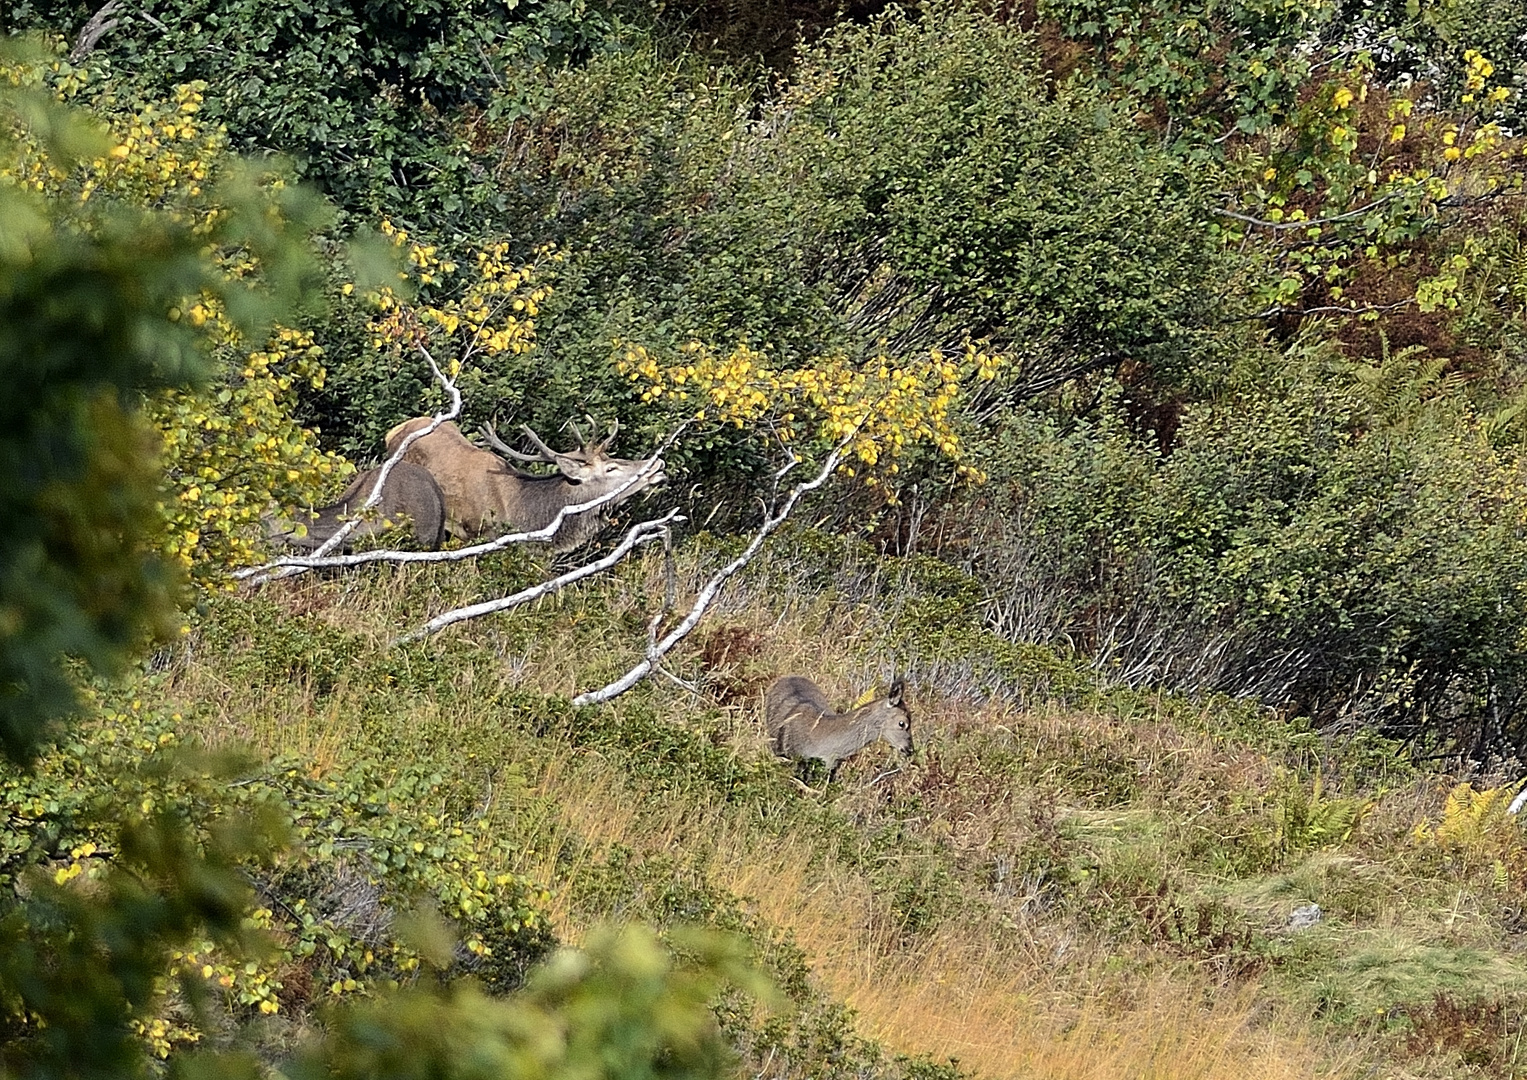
column 584, row 444
column 546, row 456
column 587, row 449
column 547, row 453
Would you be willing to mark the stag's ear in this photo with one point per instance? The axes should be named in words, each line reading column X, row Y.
column 575, row 469
column 898, row 691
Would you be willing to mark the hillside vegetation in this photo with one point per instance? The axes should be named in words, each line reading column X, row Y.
column 1144, row 382
column 1072, row 879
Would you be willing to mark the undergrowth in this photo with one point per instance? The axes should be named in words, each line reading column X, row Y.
column 1072, row 878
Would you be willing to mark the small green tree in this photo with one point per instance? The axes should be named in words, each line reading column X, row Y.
column 85, row 332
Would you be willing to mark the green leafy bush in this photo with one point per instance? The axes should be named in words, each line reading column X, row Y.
column 361, row 97
column 368, row 846
column 916, row 183
column 623, row 1010
column 89, row 291
column 1339, row 538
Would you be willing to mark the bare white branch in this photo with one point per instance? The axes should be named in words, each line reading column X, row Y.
column 792, row 462
column 707, row 595
column 281, row 568
column 637, row 535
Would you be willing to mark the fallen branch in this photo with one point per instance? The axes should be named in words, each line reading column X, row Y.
column 637, row 535
column 1279, row 226
column 656, row 650
column 1328, row 309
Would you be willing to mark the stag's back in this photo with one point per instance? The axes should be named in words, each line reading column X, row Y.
column 478, row 486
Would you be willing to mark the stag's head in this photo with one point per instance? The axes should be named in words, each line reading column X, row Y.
column 591, row 466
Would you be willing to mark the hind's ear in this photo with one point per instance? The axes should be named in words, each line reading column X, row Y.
column 898, row 691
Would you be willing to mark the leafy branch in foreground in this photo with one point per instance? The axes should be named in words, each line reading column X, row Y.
column 620, row 1008
column 88, row 291
column 230, row 444
column 90, row 942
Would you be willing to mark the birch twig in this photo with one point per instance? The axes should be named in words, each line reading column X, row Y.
column 638, row 534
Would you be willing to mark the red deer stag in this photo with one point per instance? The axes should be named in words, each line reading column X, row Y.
column 802, row 725
column 484, row 493
column 410, row 491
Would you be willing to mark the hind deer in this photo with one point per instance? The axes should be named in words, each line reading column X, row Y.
column 802, row 724
column 484, row 493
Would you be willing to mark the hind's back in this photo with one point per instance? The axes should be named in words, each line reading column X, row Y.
column 794, row 695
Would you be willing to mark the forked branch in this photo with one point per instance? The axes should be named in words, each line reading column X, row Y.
column 637, row 535
column 657, row 649
column 103, row 22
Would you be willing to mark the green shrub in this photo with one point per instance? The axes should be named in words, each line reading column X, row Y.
column 361, row 97
column 1340, row 539
column 916, row 183
column 371, row 845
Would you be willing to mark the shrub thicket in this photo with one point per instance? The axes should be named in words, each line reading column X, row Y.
column 915, row 184
column 1343, row 539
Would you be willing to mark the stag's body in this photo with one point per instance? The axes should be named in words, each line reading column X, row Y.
column 483, row 493
column 410, row 490
column 802, row 725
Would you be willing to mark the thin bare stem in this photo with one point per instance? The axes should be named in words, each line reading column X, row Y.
column 281, row 568
column 1279, row 226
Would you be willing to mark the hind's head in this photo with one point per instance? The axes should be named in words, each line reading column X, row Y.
column 895, row 717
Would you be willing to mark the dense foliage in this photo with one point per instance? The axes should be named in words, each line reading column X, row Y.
column 1341, row 537
column 360, row 96
column 1196, row 333
column 231, row 445
column 1135, row 209
column 88, row 279
column 370, row 850
column 129, row 924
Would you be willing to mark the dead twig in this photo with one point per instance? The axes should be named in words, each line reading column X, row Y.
column 99, row 25
column 638, row 534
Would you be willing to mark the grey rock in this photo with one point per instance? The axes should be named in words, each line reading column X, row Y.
column 1304, row 916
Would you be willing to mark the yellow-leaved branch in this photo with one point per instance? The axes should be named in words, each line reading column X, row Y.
column 492, row 309
column 232, row 448
column 882, row 407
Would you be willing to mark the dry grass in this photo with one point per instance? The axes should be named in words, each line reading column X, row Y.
column 959, row 993
column 1004, row 997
